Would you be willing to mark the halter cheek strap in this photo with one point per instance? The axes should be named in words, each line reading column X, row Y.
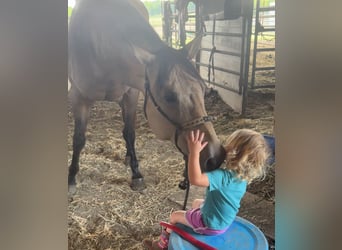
column 148, row 93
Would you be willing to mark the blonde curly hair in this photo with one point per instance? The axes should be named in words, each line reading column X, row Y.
column 247, row 154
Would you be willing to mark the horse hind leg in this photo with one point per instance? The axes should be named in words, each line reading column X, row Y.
column 128, row 105
column 80, row 109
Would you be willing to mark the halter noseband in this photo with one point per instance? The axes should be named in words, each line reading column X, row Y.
column 179, row 127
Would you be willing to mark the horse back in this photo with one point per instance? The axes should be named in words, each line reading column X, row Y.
column 101, row 39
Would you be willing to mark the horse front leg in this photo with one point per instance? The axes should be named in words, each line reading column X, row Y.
column 80, row 109
column 128, row 105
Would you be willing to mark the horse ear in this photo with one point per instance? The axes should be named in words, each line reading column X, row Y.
column 190, row 50
column 143, row 56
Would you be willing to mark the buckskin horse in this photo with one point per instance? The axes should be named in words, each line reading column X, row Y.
column 114, row 54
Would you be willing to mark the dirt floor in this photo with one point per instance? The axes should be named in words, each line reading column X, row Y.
column 105, row 213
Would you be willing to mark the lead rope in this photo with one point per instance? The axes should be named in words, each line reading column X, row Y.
column 186, row 180
column 178, row 127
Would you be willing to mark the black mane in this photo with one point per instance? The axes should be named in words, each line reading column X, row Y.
column 167, row 58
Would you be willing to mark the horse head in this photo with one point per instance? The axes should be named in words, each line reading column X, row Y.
column 174, row 101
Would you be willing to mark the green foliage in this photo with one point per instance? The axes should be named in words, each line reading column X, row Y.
column 155, row 21
column 154, row 8
column 265, row 3
column 69, row 11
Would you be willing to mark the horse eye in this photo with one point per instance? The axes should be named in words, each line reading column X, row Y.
column 171, row 97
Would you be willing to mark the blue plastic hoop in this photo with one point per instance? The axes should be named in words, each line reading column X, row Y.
column 241, row 235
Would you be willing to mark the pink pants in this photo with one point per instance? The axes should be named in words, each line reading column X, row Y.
column 194, row 218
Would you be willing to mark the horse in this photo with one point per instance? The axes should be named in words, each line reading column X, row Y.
column 114, row 54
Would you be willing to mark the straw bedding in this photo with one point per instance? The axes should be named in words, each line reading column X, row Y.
column 105, row 213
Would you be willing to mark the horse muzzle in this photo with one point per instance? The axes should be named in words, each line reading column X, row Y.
column 212, row 157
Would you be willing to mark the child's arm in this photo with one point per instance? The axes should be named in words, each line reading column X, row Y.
column 195, row 145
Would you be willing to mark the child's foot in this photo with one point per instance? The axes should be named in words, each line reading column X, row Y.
column 152, row 245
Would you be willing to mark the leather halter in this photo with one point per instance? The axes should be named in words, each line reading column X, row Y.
column 179, row 127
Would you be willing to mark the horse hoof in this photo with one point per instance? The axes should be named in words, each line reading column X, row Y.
column 72, row 189
column 138, row 184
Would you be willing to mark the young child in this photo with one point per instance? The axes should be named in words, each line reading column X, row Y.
column 247, row 152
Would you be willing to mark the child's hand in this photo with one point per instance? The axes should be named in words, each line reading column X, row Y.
column 195, row 141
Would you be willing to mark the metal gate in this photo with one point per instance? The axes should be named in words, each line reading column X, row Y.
column 223, row 61
column 263, row 76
